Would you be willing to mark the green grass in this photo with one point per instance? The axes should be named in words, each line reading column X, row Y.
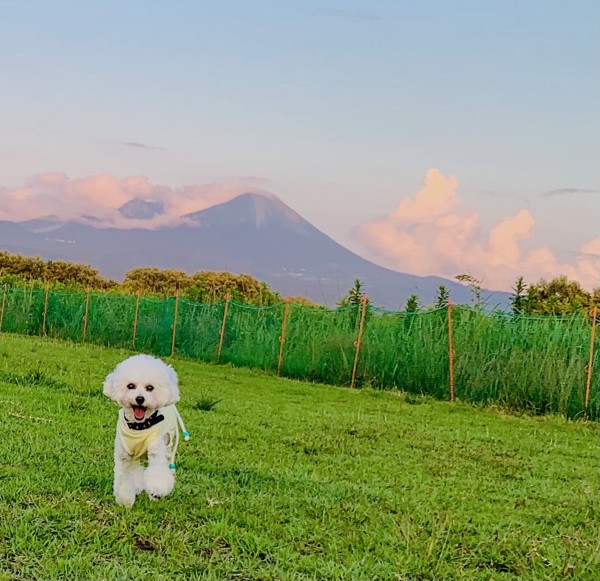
column 288, row 480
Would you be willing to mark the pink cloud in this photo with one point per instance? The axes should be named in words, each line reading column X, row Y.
column 102, row 195
column 436, row 198
column 433, row 233
column 504, row 238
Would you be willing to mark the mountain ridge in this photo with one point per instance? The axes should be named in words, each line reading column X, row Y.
column 249, row 234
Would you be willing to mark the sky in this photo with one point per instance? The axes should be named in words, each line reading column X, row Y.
column 437, row 137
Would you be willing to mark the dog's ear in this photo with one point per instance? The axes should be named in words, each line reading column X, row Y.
column 109, row 385
column 169, row 394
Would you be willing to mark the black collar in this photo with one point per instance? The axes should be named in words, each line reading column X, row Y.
column 154, row 419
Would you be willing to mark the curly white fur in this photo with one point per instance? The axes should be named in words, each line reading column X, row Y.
column 141, row 385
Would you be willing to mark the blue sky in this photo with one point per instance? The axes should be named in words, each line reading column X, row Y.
column 338, row 108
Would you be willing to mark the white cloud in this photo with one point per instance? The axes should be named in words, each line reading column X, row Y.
column 432, row 233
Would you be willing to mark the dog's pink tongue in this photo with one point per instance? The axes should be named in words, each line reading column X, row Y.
column 138, row 412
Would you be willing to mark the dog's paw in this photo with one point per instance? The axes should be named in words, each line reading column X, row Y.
column 159, row 484
column 156, row 493
column 124, row 492
column 125, row 500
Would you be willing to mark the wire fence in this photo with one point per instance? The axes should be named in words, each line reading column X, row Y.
column 535, row 364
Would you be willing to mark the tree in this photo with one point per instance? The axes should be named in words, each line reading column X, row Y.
column 354, row 296
column 443, row 297
column 559, row 296
column 475, row 286
column 155, row 281
column 412, row 304
column 25, row 267
column 518, row 301
column 60, row 271
column 303, row 302
column 211, row 287
column 596, row 297
column 28, row 270
column 353, row 302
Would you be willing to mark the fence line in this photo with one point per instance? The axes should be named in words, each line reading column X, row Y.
column 175, row 314
column 450, row 352
column 591, row 360
column 85, row 315
column 363, row 310
column 3, row 305
column 286, row 313
column 222, row 334
column 135, row 317
column 540, row 364
column 46, row 294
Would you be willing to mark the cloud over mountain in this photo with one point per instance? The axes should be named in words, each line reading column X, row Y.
column 110, row 199
column 433, row 233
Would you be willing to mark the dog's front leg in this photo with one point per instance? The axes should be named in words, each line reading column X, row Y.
column 158, row 478
column 128, row 476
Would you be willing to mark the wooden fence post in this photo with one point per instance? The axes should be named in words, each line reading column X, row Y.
column 450, row 352
column 222, row 335
column 175, row 321
column 282, row 336
column 591, row 361
column 85, row 315
column 358, row 341
column 3, row 305
column 135, row 316
column 45, row 309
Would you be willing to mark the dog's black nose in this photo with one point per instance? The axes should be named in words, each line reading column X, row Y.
column 140, row 399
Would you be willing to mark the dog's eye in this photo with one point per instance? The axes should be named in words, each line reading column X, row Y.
column 149, row 387
column 131, row 386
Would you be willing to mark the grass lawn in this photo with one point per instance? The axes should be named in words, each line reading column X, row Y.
column 287, row 480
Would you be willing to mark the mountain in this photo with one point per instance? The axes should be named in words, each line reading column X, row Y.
column 252, row 234
column 141, row 209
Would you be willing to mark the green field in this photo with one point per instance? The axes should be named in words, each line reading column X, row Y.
column 288, row 480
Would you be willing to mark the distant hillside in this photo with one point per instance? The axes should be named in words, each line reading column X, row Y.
column 252, row 234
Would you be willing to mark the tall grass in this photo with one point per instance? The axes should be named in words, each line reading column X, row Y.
column 535, row 364
column 538, row 364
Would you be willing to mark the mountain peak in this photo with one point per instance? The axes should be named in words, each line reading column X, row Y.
column 141, row 209
column 251, row 209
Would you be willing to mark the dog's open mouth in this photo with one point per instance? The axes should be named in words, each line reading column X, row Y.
column 139, row 411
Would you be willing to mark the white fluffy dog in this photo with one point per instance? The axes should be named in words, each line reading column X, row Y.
column 147, row 391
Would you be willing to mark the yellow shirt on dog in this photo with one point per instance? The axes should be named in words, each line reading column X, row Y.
column 137, row 442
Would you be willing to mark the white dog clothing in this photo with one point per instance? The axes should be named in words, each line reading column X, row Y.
column 137, row 437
